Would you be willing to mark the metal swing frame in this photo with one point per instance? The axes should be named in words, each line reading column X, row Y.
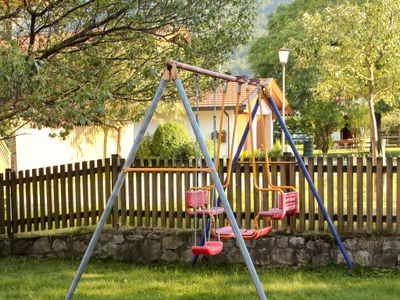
column 170, row 74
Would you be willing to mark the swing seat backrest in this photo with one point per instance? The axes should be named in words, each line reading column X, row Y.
column 288, row 203
column 196, row 199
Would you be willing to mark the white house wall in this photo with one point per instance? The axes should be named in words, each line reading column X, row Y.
column 268, row 123
column 206, row 125
column 36, row 149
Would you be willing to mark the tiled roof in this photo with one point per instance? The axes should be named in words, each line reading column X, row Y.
column 206, row 100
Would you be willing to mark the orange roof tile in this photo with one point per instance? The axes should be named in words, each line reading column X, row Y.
column 206, row 99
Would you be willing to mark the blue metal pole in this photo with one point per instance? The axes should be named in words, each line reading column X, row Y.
column 116, row 190
column 311, row 184
column 220, row 189
column 234, row 163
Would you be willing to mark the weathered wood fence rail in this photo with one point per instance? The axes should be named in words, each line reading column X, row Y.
column 359, row 196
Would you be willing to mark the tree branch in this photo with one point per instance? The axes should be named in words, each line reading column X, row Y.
column 10, row 15
column 83, row 36
column 66, row 14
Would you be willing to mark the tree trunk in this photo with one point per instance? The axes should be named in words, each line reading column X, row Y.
column 105, row 141
column 373, row 128
column 378, row 117
column 119, row 133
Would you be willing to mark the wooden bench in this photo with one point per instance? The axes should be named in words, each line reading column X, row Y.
column 343, row 144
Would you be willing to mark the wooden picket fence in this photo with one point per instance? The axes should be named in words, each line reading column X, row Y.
column 359, row 196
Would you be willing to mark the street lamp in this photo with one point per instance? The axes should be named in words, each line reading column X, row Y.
column 283, row 59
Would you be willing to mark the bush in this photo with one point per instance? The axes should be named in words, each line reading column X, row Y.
column 275, row 152
column 210, row 148
column 170, row 140
column 144, row 150
column 191, row 149
column 391, row 123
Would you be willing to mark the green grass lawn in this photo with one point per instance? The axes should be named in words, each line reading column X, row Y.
column 22, row 278
column 390, row 152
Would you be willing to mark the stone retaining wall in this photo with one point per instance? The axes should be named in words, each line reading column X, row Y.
column 143, row 245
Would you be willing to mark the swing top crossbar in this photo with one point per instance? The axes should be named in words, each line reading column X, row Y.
column 238, row 79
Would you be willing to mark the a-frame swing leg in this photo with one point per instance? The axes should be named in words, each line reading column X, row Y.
column 121, row 179
column 220, row 189
column 310, row 183
column 117, row 187
column 235, row 160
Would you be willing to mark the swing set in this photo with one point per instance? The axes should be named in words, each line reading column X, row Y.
column 198, row 197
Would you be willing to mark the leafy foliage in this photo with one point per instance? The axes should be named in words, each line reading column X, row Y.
column 144, row 150
column 98, row 62
column 357, row 121
column 352, row 56
column 360, row 59
column 324, row 118
column 170, row 140
column 238, row 63
column 391, row 123
column 283, row 27
column 275, row 152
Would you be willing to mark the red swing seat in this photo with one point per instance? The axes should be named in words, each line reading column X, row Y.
column 210, row 248
column 287, row 206
column 197, row 202
column 226, row 233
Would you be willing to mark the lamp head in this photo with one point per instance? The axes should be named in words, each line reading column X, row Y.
column 284, row 55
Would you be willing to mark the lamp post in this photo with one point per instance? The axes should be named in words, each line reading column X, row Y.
column 283, row 59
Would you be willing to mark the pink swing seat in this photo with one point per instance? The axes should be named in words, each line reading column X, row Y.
column 197, row 202
column 226, row 233
column 287, row 206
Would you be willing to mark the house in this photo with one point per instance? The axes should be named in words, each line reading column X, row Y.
column 35, row 148
column 206, row 115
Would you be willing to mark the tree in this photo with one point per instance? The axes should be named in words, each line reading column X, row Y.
column 356, row 55
column 238, row 62
column 324, row 118
column 94, row 62
column 282, row 27
column 357, row 121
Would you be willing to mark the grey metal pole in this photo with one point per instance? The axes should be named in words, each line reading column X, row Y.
column 220, row 189
column 116, row 190
column 283, row 106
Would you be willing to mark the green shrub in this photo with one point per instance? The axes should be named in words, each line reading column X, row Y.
column 191, row 148
column 170, row 140
column 245, row 154
column 144, row 150
column 275, row 152
column 391, row 123
column 210, row 147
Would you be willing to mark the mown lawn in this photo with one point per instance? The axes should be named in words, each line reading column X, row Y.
column 22, row 278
